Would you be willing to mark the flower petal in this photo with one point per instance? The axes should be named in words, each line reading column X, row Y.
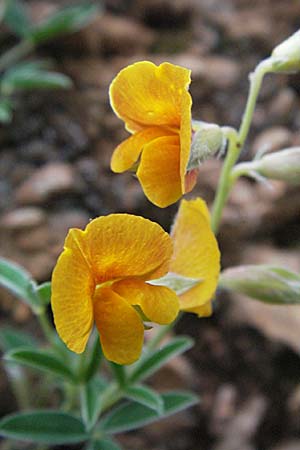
column 144, row 94
column 185, row 139
column 159, row 171
column 128, row 152
column 202, row 311
column 196, row 253
column 123, row 245
column 71, row 300
column 121, row 328
column 159, row 303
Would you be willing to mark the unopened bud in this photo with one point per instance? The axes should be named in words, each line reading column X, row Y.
column 207, row 140
column 286, row 56
column 265, row 283
column 283, row 165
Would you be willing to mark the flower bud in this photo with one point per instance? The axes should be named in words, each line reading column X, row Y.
column 283, row 165
column 265, row 283
column 286, row 56
column 207, row 140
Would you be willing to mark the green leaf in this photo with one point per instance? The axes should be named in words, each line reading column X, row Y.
column 152, row 361
column 44, row 426
column 104, row 444
column 5, row 111
column 11, row 338
column 41, row 360
column 177, row 283
column 145, row 396
column 90, row 403
column 44, row 292
column 94, row 359
column 18, row 281
column 266, row 283
column 132, row 415
column 16, row 18
column 24, row 77
column 119, row 373
column 66, row 21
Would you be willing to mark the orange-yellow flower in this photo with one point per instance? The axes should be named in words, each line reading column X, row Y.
column 101, row 274
column 104, row 275
column 195, row 255
column 155, row 105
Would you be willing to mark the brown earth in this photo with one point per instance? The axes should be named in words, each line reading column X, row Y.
column 55, row 174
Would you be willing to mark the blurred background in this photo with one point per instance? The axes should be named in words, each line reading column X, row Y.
column 55, row 149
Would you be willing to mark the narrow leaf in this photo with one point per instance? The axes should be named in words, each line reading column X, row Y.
column 5, row 111
column 145, row 396
column 90, row 403
column 95, row 359
column 18, row 281
column 16, row 18
column 11, row 338
column 104, row 444
column 44, row 426
column 152, row 361
column 67, row 20
column 44, row 292
column 34, row 79
column 41, row 360
column 132, row 415
column 119, row 373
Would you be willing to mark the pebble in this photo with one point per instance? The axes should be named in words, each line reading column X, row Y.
column 23, row 218
column 47, row 181
column 283, row 106
column 271, row 139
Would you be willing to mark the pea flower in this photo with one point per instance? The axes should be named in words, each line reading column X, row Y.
column 155, row 105
column 101, row 275
column 110, row 274
column 195, row 255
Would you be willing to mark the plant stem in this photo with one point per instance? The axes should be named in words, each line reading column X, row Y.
column 237, row 141
column 46, row 327
column 16, row 53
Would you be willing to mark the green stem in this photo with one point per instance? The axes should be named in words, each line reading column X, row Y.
column 46, row 327
column 161, row 333
column 16, row 53
column 236, row 143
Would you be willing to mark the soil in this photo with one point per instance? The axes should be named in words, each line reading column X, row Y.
column 55, row 174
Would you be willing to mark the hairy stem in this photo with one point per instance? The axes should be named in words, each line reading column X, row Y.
column 236, row 143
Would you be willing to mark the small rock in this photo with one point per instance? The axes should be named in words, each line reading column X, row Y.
column 50, row 180
column 34, row 240
column 219, row 72
column 110, row 34
column 274, row 138
column 21, row 218
column 288, row 445
column 283, row 106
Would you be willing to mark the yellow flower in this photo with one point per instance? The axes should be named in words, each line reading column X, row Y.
column 101, row 274
column 195, row 255
column 155, row 105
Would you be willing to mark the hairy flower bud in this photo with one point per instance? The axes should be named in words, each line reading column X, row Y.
column 283, row 165
column 286, row 56
column 207, row 140
column 265, row 283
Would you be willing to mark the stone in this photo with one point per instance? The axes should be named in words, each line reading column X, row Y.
column 283, row 106
column 46, row 182
column 23, row 218
column 217, row 71
column 272, row 139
